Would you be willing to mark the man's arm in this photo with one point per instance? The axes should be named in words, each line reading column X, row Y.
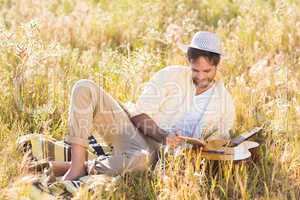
column 148, row 127
column 153, row 94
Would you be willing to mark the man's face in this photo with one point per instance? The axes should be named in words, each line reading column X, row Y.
column 203, row 72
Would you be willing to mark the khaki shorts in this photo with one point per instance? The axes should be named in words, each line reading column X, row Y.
column 93, row 111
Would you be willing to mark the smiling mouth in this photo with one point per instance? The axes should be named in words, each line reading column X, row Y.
column 202, row 83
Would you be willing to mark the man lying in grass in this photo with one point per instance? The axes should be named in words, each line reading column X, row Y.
column 178, row 100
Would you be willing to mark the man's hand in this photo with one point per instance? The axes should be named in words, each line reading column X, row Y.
column 173, row 140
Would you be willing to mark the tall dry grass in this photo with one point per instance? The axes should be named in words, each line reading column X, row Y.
column 47, row 45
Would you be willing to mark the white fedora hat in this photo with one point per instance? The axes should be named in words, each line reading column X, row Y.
column 204, row 40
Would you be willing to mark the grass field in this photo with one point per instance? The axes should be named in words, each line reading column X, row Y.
column 45, row 46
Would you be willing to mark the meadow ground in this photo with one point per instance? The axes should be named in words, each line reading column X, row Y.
column 46, row 46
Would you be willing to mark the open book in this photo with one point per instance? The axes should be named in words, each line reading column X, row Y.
column 232, row 142
column 220, row 149
column 193, row 141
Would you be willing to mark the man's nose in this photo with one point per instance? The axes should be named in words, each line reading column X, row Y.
column 201, row 76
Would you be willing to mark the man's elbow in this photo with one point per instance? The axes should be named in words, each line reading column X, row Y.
column 138, row 119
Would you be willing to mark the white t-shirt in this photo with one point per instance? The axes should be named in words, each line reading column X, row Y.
column 169, row 95
column 190, row 124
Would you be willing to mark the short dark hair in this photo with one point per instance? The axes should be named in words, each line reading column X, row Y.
column 193, row 54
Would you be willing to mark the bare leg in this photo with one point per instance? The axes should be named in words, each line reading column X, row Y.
column 77, row 167
column 59, row 167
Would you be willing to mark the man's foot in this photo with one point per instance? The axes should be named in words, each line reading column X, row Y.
column 74, row 174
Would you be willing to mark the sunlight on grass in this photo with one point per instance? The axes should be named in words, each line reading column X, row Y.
column 48, row 45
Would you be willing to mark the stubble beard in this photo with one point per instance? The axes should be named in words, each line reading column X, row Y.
column 202, row 84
